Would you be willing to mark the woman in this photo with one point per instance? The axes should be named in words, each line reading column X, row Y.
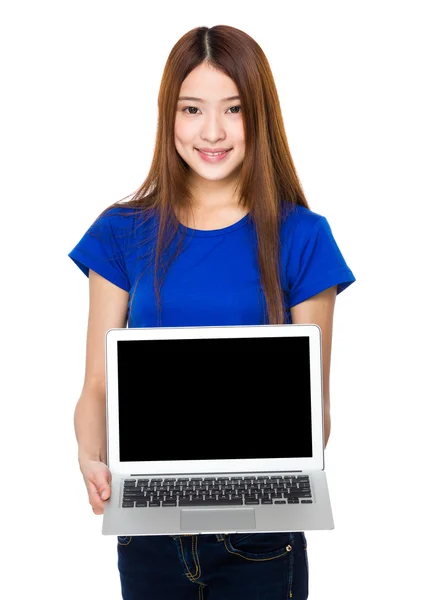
column 219, row 233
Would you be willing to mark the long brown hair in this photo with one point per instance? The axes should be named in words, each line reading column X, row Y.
column 268, row 183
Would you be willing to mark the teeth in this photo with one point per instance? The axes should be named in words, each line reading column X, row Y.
column 213, row 153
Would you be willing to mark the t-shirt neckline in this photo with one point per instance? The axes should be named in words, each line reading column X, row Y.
column 215, row 232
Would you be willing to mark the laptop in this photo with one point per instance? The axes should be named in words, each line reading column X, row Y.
column 215, row 429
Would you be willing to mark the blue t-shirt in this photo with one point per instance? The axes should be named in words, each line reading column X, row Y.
column 215, row 278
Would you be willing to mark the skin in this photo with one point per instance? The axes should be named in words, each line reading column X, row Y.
column 210, row 124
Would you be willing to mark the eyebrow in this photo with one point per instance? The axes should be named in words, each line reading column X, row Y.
column 192, row 98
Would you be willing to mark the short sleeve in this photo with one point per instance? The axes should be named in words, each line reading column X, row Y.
column 102, row 249
column 318, row 265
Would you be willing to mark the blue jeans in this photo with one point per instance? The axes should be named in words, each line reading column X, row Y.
column 237, row 566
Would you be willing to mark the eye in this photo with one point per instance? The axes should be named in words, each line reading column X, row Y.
column 188, row 108
column 236, row 112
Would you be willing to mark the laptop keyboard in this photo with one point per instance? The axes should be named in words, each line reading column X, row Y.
column 216, row 491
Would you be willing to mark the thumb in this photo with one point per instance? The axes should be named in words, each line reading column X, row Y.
column 103, row 488
column 105, row 493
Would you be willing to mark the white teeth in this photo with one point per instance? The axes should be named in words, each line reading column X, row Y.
column 213, row 153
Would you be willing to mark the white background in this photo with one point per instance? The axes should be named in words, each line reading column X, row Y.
column 78, row 116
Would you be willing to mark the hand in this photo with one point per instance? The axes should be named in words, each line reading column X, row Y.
column 97, row 477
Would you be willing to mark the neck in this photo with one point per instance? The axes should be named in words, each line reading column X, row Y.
column 213, row 195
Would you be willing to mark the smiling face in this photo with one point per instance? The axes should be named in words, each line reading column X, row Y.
column 209, row 132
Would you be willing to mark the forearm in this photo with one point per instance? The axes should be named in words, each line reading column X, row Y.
column 90, row 426
column 326, row 426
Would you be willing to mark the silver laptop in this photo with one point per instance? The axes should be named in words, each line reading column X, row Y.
column 215, row 430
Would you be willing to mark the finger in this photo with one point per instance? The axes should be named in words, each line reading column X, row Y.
column 105, row 492
column 97, row 496
column 98, row 510
column 94, row 496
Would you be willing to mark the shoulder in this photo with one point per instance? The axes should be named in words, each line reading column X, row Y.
column 116, row 216
column 123, row 222
column 300, row 224
column 301, row 218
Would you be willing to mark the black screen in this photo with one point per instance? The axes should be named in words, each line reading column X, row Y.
column 212, row 399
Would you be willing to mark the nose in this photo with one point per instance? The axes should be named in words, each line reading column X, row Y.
column 213, row 127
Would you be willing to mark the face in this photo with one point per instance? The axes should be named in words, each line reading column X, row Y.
column 209, row 133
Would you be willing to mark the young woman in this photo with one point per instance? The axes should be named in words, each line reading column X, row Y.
column 220, row 232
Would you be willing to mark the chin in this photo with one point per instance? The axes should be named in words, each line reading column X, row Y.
column 215, row 176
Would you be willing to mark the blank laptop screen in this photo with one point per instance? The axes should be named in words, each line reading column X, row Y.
column 218, row 398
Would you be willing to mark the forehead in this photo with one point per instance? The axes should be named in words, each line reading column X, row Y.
column 208, row 83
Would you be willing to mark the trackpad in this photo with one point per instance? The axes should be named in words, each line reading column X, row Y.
column 217, row 519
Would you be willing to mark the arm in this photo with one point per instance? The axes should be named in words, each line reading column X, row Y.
column 107, row 309
column 319, row 310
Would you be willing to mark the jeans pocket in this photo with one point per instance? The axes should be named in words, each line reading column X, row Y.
column 259, row 546
column 124, row 540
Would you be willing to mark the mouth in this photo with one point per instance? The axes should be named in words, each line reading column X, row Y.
column 213, row 157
